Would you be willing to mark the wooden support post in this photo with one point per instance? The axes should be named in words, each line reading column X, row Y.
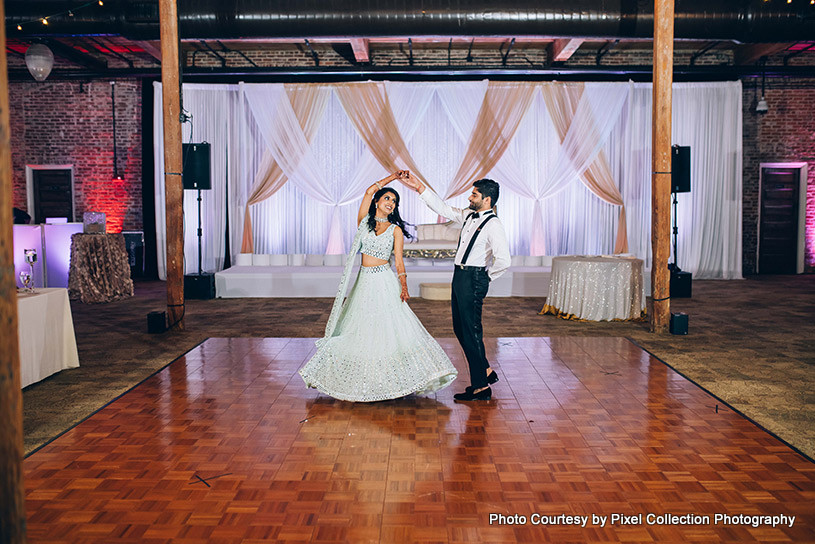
column 173, row 184
column 661, row 164
column 12, row 496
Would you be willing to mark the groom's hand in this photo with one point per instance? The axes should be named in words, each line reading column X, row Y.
column 413, row 183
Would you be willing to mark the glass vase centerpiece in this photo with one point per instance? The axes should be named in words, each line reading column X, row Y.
column 27, row 277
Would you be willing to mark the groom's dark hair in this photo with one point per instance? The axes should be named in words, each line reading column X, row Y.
column 488, row 188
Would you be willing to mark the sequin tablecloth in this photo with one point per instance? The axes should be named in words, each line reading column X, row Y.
column 100, row 271
column 596, row 288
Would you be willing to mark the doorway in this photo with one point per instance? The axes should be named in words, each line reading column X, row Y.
column 782, row 216
column 50, row 191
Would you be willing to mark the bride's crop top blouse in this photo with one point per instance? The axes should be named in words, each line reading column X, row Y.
column 380, row 246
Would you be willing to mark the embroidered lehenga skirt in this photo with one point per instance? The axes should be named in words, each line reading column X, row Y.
column 378, row 349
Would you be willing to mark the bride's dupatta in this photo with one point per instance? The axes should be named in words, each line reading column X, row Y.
column 336, row 309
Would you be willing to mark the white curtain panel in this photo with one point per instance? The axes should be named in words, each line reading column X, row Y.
column 409, row 104
column 709, row 217
column 413, row 106
column 291, row 221
column 434, row 138
column 462, row 103
column 628, row 151
column 285, row 139
column 538, row 167
column 214, row 120
column 349, row 167
column 707, row 117
column 291, row 149
column 539, row 176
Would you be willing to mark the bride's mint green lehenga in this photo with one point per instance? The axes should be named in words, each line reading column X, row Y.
column 375, row 348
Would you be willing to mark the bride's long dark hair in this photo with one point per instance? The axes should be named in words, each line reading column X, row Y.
column 394, row 216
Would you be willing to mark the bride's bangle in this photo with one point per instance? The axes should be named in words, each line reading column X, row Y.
column 402, row 274
column 378, row 186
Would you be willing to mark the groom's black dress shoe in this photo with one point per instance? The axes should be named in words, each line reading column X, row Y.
column 468, row 394
column 492, row 377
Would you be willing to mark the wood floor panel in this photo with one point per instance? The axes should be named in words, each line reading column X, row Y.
column 227, row 445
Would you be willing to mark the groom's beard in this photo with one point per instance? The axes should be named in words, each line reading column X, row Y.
column 475, row 207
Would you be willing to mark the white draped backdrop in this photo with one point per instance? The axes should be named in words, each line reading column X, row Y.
column 303, row 156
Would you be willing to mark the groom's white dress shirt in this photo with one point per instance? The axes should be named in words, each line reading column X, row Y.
column 491, row 244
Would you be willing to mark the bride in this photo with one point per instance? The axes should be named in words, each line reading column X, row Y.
column 375, row 348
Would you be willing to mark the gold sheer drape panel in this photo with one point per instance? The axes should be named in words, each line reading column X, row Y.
column 309, row 103
column 503, row 108
column 562, row 100
column 369, row 109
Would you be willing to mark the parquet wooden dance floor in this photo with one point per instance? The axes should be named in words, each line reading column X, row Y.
column 585, row 440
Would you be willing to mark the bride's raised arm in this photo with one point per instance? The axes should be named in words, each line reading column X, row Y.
column 371, row 191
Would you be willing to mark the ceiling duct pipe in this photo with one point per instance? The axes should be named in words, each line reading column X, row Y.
column 749, row 21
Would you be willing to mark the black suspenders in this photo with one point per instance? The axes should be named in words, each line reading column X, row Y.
column 475, row 235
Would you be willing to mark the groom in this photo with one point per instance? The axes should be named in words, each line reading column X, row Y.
column 482, row 237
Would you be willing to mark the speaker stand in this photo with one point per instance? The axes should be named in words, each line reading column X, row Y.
column 201, row 232
column 675, row 231
column 201, row 285
column 680, row 283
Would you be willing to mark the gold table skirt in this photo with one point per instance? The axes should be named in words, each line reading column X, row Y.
column 100, row 271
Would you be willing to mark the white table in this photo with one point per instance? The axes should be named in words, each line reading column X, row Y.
column 596, row 288
column 46, row 333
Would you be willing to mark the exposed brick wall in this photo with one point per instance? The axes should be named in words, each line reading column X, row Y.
column 66, row 122
column 786, row 133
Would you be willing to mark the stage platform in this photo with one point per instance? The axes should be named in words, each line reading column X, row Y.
column 227, row 445
column 322, row 281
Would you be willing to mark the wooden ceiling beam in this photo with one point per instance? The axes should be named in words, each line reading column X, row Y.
column 561, row 50
column 749, row 54
column 445, row 40
column 360, row 47
column 70, row 53
column 150, row 49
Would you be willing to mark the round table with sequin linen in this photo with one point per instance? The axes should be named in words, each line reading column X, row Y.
column 596, row 288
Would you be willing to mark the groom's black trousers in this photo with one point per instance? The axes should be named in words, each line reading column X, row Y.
column 470, row 285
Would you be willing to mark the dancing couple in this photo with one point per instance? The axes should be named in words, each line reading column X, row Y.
column 374, row 347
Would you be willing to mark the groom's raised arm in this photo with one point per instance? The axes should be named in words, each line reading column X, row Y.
column 435, row 203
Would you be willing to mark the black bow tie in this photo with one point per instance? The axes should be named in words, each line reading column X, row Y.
column 476, row 215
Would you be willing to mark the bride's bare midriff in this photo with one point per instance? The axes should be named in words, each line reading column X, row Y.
column 368, row 261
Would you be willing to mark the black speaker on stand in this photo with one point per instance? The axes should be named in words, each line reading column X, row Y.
column 680, row 286
column 157, row 322
column 196, row 168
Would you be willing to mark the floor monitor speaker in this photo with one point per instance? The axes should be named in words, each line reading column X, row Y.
column 156, row 322
column 199, row 286
column 679, row 323
column 681, row 284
